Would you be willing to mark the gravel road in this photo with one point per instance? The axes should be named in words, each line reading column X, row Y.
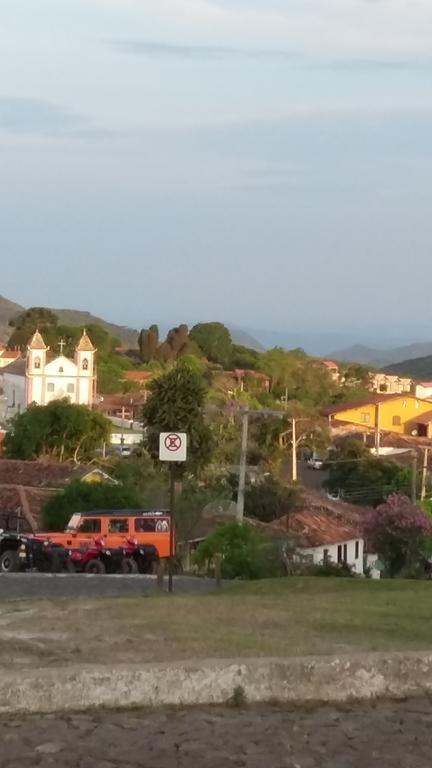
column 16, row 586
column 391, row 735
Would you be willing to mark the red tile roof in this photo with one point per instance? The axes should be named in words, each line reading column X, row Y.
column 8, row 354
column 138, row 375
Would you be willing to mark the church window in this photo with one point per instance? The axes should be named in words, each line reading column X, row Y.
column 61, row 369
column 37, row 362
column 85, row 364
column 50, row 387
column 70, row 389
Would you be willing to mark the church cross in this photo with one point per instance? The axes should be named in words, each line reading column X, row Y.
column 61, row 344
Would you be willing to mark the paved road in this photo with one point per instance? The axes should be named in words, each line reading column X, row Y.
column 16, row 586
column 388, row 736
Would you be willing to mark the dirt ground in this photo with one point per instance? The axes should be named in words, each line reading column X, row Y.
column 391, row 735
column 290, row 617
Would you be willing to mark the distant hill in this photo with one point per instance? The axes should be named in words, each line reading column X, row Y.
column 382, row 358
column 128, row 337
column 8, row 309
column 419, row 368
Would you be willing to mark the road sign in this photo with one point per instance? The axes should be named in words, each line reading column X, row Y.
column 173, row 446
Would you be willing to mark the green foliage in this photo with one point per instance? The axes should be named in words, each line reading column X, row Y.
column 81, row 496
column 60, row 430
column 242, row 550
column 177, row 405
column 295, row 372
column 214, row 340
column 329, row 569
column 270, row 500
column 243, row 357
column 362, row 478
column 26, row 323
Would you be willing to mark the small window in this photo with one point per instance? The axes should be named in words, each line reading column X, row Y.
column 70, row 388
column 396, row 421
column 37, row 362
column 365, row 418
column 339, row 553
column 383, row 388
column 50, row 387
column 85, row 364
column 118, row 525
column 325, row 556
column 91, row 525
column 357, row 550
column 345, row 553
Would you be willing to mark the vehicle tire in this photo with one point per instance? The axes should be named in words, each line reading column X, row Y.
column 70, row 566
column 95, row 566
column 129, row 565
column 9, row 561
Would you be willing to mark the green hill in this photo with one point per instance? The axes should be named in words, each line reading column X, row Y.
column 418, row 368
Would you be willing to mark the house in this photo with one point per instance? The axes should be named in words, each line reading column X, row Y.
column 332, row 369
column 402, row 414
column 389, row 384
column 423, row 390
column 125, row 407
column 8, row 356
column 39, row 379
column 26, row 485
column 139, row 378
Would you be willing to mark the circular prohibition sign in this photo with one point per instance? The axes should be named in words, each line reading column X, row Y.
column 173, row 442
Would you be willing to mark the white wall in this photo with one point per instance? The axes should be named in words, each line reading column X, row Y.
column 332, row 549
column 423, row 393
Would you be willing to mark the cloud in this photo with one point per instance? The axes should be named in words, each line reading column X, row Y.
column 203, row 52
column 26, row 116
column 211, row 53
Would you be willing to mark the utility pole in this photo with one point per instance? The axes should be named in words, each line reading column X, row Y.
column 424, row 473
column 414, row 478
column 242, row 467
column 377, row 429
column 294, row 451
column 172, row 529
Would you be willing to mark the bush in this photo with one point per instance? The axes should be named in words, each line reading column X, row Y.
column 245, row 554
column 330, row 569
column 271, row 500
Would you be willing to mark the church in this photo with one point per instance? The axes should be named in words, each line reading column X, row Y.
column 38, row 378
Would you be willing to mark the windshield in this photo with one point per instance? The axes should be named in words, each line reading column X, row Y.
column 73, row 522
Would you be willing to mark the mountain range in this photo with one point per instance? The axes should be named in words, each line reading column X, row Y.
column 382, row 358
column 128, row 337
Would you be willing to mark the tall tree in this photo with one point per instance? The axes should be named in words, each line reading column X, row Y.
column 214, row 340
column 177, row 405
column 148, row 343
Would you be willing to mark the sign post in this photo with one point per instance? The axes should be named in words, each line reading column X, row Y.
column 172, row 448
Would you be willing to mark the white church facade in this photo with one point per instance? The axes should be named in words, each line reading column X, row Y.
column 38, row 379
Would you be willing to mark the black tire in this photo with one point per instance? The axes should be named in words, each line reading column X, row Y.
column 70, row 566
column 9, row 561
column 129, row 565
column 95, row 566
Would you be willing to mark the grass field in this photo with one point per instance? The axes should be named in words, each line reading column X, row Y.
column 289, row 617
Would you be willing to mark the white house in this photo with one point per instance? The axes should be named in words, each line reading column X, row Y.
column 423, row 390
column 39, row 379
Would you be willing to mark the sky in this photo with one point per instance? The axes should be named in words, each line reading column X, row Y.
column 267, row 163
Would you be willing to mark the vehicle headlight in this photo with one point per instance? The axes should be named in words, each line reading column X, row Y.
column 69, row 552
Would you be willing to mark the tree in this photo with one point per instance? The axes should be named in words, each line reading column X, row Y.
column 177, row 405
column 399, row 532
column 214, row 340
column 26, row 323
column 148, row 342
column 271, row 500
column 245, row 554
column 60, row 430
column 81, row 496
column 363, row 478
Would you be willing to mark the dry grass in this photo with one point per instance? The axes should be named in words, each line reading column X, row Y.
column 289, row 617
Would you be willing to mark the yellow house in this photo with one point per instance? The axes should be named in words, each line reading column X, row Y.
column 401, row 413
